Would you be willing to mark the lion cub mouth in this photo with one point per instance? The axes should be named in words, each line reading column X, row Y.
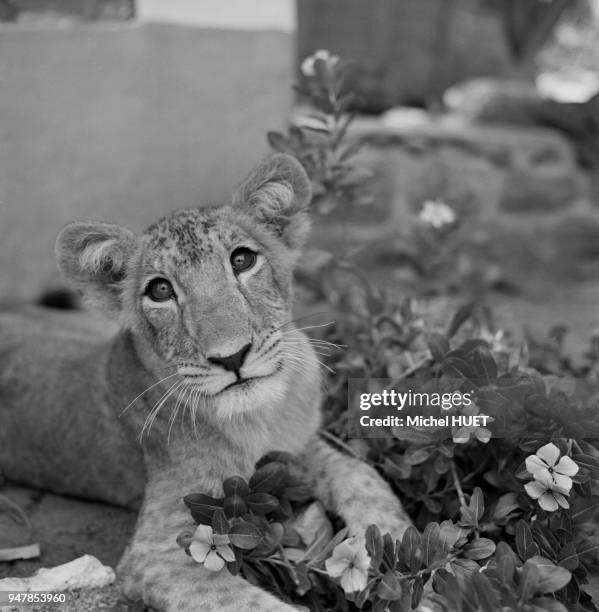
column 242, row 384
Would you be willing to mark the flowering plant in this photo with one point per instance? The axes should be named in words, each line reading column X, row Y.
column 552, row 479
column 318, row 137
column 530, row 540
column 505, row 515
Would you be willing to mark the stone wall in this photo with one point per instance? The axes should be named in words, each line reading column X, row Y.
column 480, row 170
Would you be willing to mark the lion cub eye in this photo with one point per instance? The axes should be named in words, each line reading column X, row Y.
column 242, row 259
column 160, row 290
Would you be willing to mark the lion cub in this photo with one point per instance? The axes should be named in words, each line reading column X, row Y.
column 206, row 369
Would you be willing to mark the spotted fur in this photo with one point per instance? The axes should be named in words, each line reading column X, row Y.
column 99, row 412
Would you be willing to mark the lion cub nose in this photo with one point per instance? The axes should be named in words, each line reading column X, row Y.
column 232, row 363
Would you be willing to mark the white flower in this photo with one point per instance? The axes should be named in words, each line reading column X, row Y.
column 349, row 563
column 436, row 214
column 330, row 61
column 461, row 435
column 552, row 478
column 211, row 549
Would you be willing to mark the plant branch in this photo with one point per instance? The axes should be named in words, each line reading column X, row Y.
column 456, row 482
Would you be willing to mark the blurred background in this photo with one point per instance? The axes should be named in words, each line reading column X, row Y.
column 125, row 109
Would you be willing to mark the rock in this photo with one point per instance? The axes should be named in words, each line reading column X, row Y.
column 493, row 100
column 67, row 528
column 84, row 572
column 479, row 169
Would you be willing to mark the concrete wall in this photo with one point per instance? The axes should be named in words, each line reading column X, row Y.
column 242, row 14
column 407, row 51
column 124, row 123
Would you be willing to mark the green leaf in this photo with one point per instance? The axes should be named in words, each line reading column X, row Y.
column 480, row 548
column 185, row 538
column 568, row 556
column 483, row 363
column 529, row 578
column 296, row 135
column 463, row 568
column 477, row 504
column 280, row 456
column 525, row 544
column 438, row 345
column 505, row 570
column 449, row 534
column 272, row 537
column 545, row 539
column 322, row 551
column 374, row 545
column 302, row 579
column 505, row 550
column 430, row 543
column 389, row 588
column 234, row 506
column 486, row 593
column 458, row 368
column 361, row 598
column 284, row 511
column 388, row 550
column 202, row 507
column 551, row 577
column 262, row 503
column 463, row 313
column 587, row 461
column 547, row 604
column 269, row 477
column 585, row 509
column 417, row 591
column 236, row 485
column 279, row 143
column 505, row 504
column 411, row 549
column 415, row 455
column 468, row 517
column 244, row 535
column 220, row 524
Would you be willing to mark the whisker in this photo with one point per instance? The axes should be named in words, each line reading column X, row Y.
column 292, row 345
column 300, row 365
column 295, row 368
column 175, row 411
column 144, row 392
column 154, row 412
column 301, row 359
column 304, row 338
column 188, row 403
column 194, row 412
column 314, row 326
column 297, row 319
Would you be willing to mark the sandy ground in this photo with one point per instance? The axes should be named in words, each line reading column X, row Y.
column 67, row 528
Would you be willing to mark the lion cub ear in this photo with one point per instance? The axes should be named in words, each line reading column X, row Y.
column 95, row 256
column 277, row 194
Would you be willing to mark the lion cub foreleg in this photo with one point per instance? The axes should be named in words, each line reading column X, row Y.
column 156, row 570
column 354, row 490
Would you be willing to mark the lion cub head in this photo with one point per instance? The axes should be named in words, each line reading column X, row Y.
column 206, row 292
